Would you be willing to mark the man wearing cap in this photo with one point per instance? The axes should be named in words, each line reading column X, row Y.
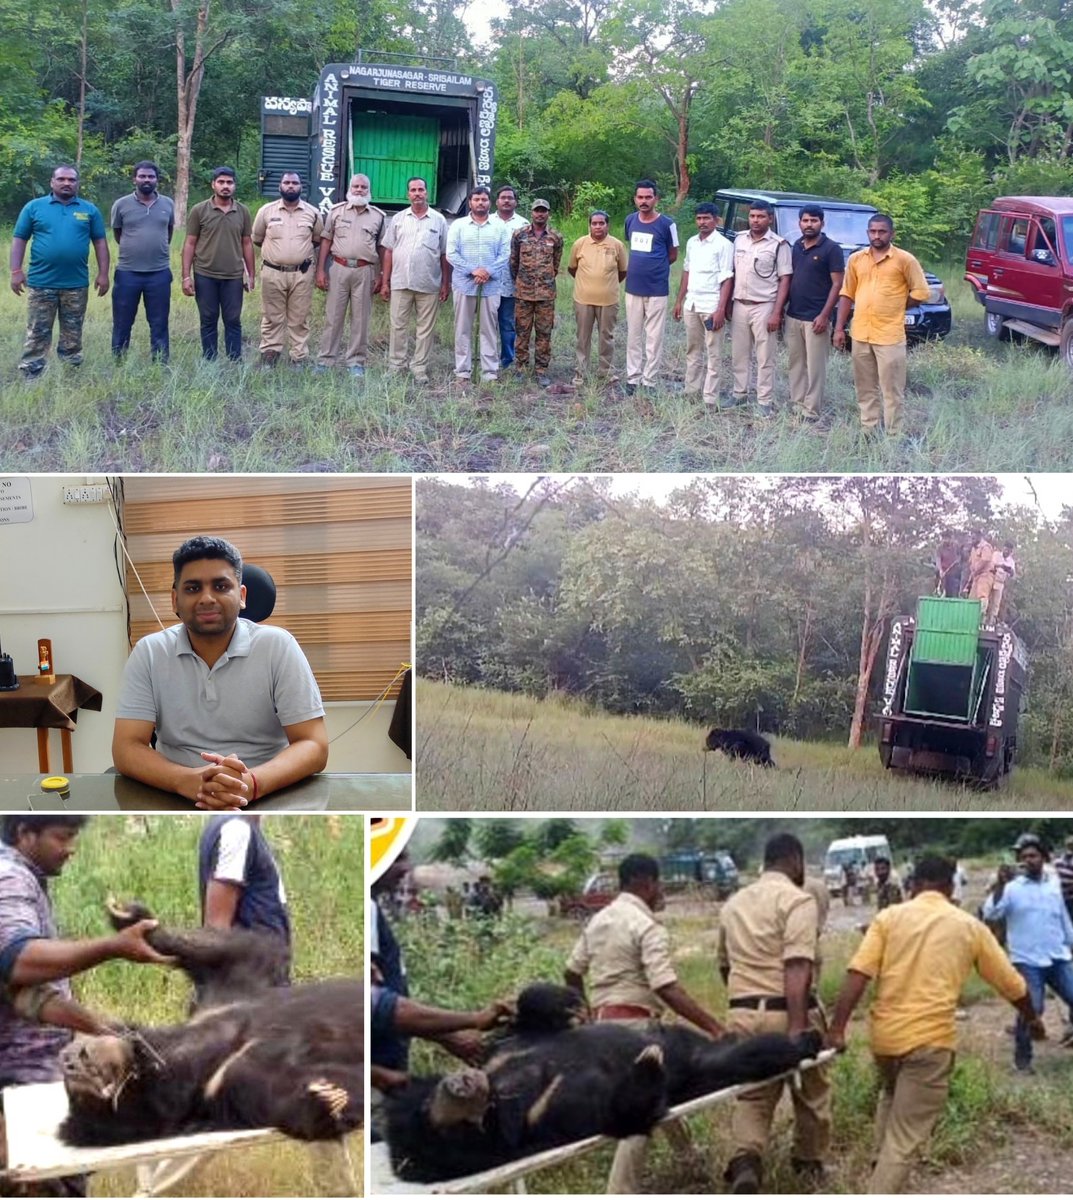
column 767, row 949
column 1039, row 935
column 703, row 296
column 535, row 254
column 61, row 227
column 142, row 223
column 288, row 230
column 218, row 264
column 416, row 279
column 919, row 955
column 234, row 705
column 353, row 244
column 507, row 212
column 626, row 953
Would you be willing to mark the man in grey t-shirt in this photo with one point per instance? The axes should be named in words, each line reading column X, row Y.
column 142, row 223
column 234, row 705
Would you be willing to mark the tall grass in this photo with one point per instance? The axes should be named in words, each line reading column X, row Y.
column 971, row 405
column 154, row 859
column 485, row 750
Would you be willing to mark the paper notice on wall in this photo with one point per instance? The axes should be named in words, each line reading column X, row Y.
column 16, row 501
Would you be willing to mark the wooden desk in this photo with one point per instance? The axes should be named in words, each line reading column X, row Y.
column 38, row 704
column 110, row 793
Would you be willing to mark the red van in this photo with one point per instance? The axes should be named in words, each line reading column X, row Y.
column 1020, row 266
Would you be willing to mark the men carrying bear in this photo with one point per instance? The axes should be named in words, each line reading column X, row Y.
column 768, row 941
column 626, row 953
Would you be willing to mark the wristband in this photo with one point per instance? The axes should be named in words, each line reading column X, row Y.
column 253, row 798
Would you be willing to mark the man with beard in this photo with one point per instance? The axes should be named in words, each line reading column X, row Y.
column 1039, row 935
column 653, row 242
column 535, row 254
column 478, row 250
column 879, row 283
column 37, row 1011
column 60, row 228
column 236, row 710
column 288, row 230
column 142, row 222
column 353, row 237
column 218, row 264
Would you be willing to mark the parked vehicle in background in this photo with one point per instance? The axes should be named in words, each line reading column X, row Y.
column 1020, row 267
column 855, row 856
column 713, row 870
column 845, row 222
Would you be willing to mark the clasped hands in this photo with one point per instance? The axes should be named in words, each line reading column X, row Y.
column 226, row 782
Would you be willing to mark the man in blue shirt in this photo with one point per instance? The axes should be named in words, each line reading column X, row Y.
column 1039, row 935
column 478, row 250
column 653, row 242
column 61, row 227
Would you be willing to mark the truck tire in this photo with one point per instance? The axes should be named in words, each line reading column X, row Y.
column 995, row 326
column 1065, row 343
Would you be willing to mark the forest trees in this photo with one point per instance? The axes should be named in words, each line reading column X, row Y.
column 740, row 600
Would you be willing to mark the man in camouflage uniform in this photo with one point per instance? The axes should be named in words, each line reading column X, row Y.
column 888, row 889
column 535, row 254
column 61, row 227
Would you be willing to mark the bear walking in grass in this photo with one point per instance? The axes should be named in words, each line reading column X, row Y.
column 740, row 743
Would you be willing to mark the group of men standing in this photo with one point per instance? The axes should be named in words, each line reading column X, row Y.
column 977, row 570
column 502, row 268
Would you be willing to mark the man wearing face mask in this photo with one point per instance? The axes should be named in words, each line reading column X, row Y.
column 288, row 230
column 142, row 222
column 218, row 264
column 353, row 241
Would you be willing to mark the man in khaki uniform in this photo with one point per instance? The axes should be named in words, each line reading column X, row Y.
column 626, row 952
column 353, row 234
column 768, row 944
column 762, row 269
column 919, row 954
column 288, row 231
column 981, row 571
column 417, row 278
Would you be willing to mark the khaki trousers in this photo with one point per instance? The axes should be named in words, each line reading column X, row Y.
column 602, row 318
column 286, row 299
column 646, row 317
column 879, row 375
column 465, row 313
column 982, row 587
column 808, row 364
column 913, row 1090
column 750, row 1123
column 425, row 307
column 749, row 334
column 994, row 608
column 704, row 349
column 353, row 286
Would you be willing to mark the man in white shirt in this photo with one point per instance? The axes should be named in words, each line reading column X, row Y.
column 703, row 294
column 1005, row 570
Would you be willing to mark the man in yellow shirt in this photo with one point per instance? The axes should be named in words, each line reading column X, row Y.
column 919, row 954
column 879, row 284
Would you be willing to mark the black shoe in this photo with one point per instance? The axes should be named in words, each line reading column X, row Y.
column 631, row 389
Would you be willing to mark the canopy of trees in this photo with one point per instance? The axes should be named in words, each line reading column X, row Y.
column 926, row 109
column 742, row 600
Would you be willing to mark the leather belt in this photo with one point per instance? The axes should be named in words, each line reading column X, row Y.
column 766, row 1003
column 738, row 300
column 302, row 266
column 350, row 262
column 624, row 1012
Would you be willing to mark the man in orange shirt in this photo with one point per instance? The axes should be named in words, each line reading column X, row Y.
column 919, row 955
column 879, row 284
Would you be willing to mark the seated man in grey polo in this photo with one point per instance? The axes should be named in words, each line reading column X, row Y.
column 236, row 710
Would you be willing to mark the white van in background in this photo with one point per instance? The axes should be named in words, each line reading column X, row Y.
column 859, row 852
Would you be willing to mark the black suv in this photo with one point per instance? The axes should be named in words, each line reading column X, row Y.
column 846, row 223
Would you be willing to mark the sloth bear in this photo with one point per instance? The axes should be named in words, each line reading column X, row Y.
column 740, row 743
column 545, row 1085
column 252, row 1056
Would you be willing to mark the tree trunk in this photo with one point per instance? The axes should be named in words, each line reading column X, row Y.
column 682, row 155
column 802, row 652
column 871, row 637
column 82, row 85
column 188, row 88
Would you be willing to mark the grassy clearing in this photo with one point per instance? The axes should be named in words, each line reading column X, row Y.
column 463, row 964
column 154, row 859
column 484, row 750
column 971, row 405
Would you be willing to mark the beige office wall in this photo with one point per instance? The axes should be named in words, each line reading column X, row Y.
column 58, row 579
